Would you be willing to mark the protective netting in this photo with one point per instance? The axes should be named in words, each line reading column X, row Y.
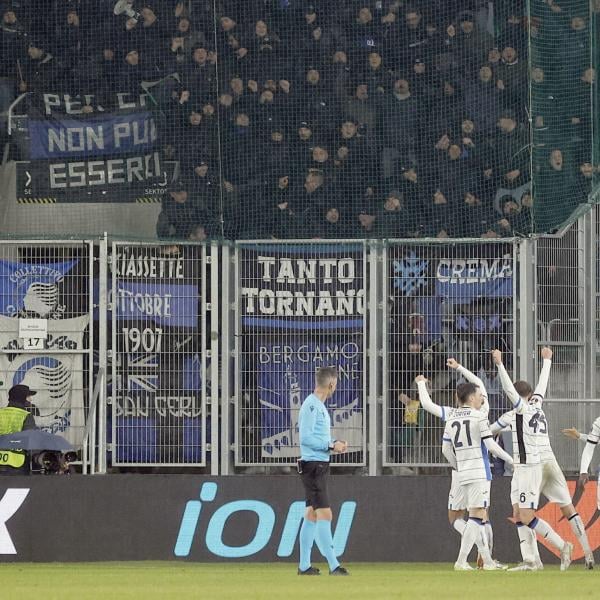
column 564, row 155
column 294, row 118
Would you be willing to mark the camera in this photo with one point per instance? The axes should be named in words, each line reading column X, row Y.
column 51, row 462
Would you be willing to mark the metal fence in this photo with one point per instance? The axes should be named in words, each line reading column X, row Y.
column 442, row 300
column 566, row 413
column 298, row 307
column 47, row 330
column 561, row 304
column 203, row 353
column 158, row 354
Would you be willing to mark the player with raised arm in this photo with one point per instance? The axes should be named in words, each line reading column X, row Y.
column 591, row 442
column 456, row 499
column 467, row 439
column 524, row 422
column 554, row 485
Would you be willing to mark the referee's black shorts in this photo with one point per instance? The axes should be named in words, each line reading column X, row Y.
column 314, row 478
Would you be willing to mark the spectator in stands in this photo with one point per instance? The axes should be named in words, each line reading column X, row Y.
column 185, row 39
column 510, row 154
column 470, row 42
column 392, row 220
column 399, row 76
column 41, row 70
column 359, row 108
column 413, row 40
column 482, row 99
column 313, row 196
column 11, row 74
column 512, row 79
column 178, row 213
column 70, row 39
column 554, row 189
column 514, row 30
column 397, row 128
column 151, row 36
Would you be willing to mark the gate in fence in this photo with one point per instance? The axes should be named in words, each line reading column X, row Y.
column 441, row 300
column 47, row 331
column 298, row 307
column 159, row 355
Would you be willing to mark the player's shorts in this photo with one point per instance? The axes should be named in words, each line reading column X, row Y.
column 554, row 485
column 314, row 478
column 477, row 494
column 525, row 486
column 456, row 497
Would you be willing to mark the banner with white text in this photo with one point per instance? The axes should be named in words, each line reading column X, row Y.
column 80, row 150
column 158, row 361
column 302, row 307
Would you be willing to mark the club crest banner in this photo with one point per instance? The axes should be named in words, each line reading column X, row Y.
column 34, row 289
column 57, row 378
column 287, row 376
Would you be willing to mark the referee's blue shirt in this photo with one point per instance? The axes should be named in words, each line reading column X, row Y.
column 314, row 426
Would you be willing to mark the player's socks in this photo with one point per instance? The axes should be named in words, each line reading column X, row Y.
column 579, row 530
column 534, row 549
column 325, row 541
column 472, row 532
column 489, row 534
column 481, row 541
column 483, row 547
column 307, row 538
column 525, row 542
column 543, row 528
column 460, row 525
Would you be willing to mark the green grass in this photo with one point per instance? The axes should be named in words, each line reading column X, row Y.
column 165, row 580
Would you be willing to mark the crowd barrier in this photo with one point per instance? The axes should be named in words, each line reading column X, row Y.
column 199, row 355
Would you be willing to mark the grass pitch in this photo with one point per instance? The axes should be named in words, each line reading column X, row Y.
column 166, row 580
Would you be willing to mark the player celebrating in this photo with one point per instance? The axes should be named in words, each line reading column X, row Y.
column 591, row 441
column 553, row 485
column 524, row 422
column 465, row 435
column 456, row 498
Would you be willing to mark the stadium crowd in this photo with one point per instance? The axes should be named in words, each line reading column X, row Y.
column 369, row 118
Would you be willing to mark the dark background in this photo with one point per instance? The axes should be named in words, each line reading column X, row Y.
column 137, row 517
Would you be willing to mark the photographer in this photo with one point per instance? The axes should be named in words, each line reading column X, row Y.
column 15, row 417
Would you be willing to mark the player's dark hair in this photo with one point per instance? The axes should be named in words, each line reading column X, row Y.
column 464, row 390
column 523, row 389
column 325, row 375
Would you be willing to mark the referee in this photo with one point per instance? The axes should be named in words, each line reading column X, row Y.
column 315, row 446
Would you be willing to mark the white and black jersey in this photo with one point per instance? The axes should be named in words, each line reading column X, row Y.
column 594, row 435
column 526, row 424
column 466, row 428
column 543, row 439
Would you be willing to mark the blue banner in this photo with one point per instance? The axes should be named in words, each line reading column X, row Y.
column 116, row 135
column 33, row 289
column 165, row 304
column 302, row 287
column 286, row 375
column 463, row 280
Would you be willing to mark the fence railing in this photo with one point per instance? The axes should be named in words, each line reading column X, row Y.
column 209, row 349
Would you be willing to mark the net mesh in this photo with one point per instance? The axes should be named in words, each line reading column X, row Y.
column 562, row 100
column 288, row 119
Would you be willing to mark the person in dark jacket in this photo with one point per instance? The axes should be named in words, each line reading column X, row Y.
column 15, row 417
